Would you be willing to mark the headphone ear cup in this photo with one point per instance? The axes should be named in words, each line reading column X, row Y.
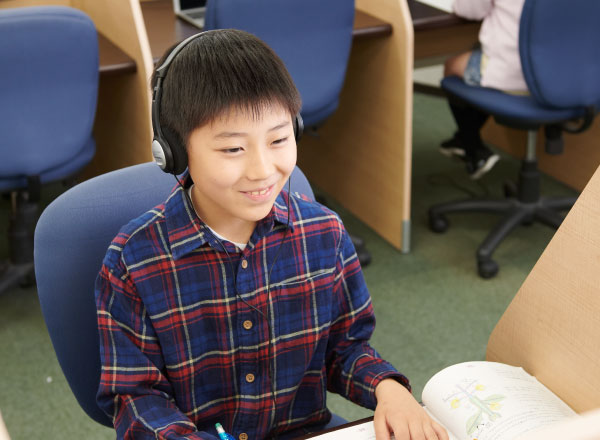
column 162, row 154
column 179, row 159
column 298, row 127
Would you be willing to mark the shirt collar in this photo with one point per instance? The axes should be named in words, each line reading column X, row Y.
column 186, row 231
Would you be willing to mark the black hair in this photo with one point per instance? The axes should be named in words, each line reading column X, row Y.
column 219, row 71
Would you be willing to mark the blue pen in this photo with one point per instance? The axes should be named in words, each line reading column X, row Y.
column 222, row 434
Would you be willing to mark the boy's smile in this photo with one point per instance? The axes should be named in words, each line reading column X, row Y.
column 239, row 163
column 261, row 194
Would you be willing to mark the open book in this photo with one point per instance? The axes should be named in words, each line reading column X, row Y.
column 487, row 401
column 491, row 401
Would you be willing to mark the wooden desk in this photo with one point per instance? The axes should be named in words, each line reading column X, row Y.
column 552, row 326
column 426, row 17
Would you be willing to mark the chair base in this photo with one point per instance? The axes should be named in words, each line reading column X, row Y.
column 522, row 206
column 19, row 269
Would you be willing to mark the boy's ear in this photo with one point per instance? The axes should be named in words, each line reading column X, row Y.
column 298, row 127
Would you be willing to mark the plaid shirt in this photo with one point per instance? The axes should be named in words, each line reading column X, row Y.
column 184, row 338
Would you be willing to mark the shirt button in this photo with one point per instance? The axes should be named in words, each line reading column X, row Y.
column 244, row 264
column 247, row 324
column 249, row 377
column 243, row 436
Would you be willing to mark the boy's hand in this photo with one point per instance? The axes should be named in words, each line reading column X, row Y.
column 398, row 413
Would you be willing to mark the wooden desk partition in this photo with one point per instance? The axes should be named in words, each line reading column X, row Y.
column 552, row 326
column 362, row 155
column 122, row 131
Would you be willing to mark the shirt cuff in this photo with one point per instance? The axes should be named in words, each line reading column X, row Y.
column 398, row 377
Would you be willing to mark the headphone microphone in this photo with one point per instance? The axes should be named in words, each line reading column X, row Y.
column 168, row 149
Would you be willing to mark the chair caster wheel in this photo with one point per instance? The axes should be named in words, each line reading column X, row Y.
column 438, row 223
column 487, row 269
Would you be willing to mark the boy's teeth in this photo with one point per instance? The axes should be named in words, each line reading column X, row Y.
column 259, row 193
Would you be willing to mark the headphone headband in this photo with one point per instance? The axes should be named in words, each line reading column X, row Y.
column 162, row 70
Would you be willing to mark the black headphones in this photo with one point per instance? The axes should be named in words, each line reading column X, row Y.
column 167, row 149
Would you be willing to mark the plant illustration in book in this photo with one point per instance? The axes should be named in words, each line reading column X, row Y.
column 471, row 395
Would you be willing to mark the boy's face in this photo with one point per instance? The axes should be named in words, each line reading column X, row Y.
column 239, row 164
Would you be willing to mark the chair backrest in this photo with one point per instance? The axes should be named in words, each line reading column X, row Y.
column 48, row 87
column 559, row 46
column 552, row 326
column 312, row 37
column 71, row 239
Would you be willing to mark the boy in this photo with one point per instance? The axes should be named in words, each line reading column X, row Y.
column 235, row 302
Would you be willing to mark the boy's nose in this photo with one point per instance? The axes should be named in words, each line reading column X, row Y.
column 260, row 165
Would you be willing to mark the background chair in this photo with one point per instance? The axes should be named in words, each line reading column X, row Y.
column 312, row 37
column 71, row 239
column 559, row 46
column 48, row 91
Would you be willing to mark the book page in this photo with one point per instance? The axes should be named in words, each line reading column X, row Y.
column 582, row 427
column 362, row 431
column 450, row 435
column 491, row 401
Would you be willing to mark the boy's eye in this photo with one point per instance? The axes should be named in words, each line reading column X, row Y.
column 231, row 150
column 280, row 141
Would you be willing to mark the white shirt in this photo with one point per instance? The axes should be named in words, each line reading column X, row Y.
column 499, row 38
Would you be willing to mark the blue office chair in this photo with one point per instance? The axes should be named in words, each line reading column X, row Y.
column 71, row 239
column 559, row 46
column 48, row 90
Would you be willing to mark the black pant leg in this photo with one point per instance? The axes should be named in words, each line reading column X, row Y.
column 469, row 121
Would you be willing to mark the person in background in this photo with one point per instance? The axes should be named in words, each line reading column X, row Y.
column 494, row 63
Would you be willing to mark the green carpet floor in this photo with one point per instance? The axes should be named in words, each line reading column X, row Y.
column 432, row 308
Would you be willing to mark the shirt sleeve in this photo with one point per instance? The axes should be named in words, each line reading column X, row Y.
column 133, row 390
column 354, row 368
column 472, row 9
